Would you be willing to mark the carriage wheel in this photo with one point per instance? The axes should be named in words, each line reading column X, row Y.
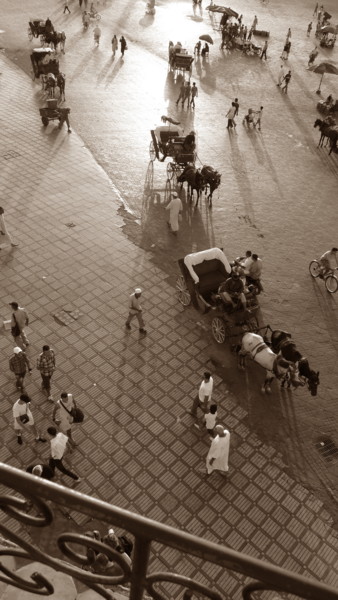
column 219, row 330
column 98, row 17
column 314, row 268
column 30, row 34
column 331, row 283
column 182, row 291
column 152, row 152
column 170, row 170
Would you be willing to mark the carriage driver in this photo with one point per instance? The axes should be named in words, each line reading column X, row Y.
column 329, row 261
column 232, row 290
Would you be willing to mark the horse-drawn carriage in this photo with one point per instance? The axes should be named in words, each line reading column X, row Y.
column 200, row 283
column 179, row 60
column 43, row 62
column 39, row 27
column 53, row 112
column 169, row 141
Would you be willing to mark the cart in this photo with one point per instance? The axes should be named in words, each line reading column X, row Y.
column 43, row 62
column 168, row 141
column 179, row 60
column 202, row 273
column 52, row 112
column 37, row 28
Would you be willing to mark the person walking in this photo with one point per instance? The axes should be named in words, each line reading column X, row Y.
column 286, row 83
column 315, row 12
column 197, row 49
column 254, row 24
column 135, row 310
column 250, row 34
column 114, row 45
column 218, row 455
column 265, row 47
column 187, row 92
column 286, row 50
column 19, row 364
column 18, row 322
column 231, row 116
column 194, row 94
column 66, row 7
column 181, row 94
column 309, row 29
column 288, row 35
column 258, row 121
column 210, row 420
column 123, row 45
column 97, row 35
column 41, row 470
column 58, row 445
column 312, row 56
column 62, row 415
column 281, row 75
column 236, row 105
column 22, row 416
column 175, row 209
column 46, row 365
column 5, row 238
column 204, row 394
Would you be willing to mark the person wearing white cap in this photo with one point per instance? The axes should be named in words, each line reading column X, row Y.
column 41, row 470
column 175, row 208
column 19, row 364
column 135, row 310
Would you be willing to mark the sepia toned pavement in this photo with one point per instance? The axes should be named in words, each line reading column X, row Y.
column 82, row 254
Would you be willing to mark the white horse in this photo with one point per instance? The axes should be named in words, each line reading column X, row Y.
column 275, row 365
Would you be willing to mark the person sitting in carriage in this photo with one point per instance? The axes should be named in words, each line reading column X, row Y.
column 189, row 143
column 48, row 26
column 329, row 261
column 329, row 102
column 232, row 290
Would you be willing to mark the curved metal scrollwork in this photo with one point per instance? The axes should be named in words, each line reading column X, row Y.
column 14, row 507
column 39, row 585
column 181, row 580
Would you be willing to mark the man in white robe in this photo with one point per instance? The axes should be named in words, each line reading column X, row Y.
column 218, row 454
column 175, row 208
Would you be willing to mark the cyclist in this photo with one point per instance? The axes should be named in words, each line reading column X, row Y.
column 328, row 261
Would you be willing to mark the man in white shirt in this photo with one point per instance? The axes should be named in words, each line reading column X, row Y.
column 204, row 395
column 328, row 260
column 135, row 310
column 22, row 416
column 58, row 445
column 19, row 320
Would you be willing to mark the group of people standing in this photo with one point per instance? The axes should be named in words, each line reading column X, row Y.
column 188, row 93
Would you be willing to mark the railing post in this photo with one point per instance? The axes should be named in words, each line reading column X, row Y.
column 140, row 559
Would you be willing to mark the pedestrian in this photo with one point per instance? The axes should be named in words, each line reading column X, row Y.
column 19, row 364
column 210, row 420
column 315, row 10
column 187, row 92
column 281, row 75
column 175, row 210
column 114, row 45
column 41, row 470
column 22, row 416
column 254, row 24
column 218, row 455
column 64, row 112
column 197, row 49
column 312, row 56
column 5, row 238
column 58, row 445
column 18, row 322
column 249, row 118
column 124, row 46
column 80, row 3
column 255, row 269
column 286, row 50
column 288, row 35
column 236, row 105
column 135, row 310
column 265, row 47
column 194, row 94
column 309, row 28
column 62, row 415
column 97, row 35
column 245, row 33
column 286, row 83
column 181, row 94
column 250, row 34
column 204, row 394
column 258, row 121
column 205, row 50
column 66, row 7
column 231, row 116
column 46, row 365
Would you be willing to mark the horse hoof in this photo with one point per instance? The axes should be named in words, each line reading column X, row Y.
column 263, row 390
column 268, row 390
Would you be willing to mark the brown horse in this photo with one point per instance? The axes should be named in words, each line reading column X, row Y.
column 194, row 179
column 329, row 131
column 211, row 181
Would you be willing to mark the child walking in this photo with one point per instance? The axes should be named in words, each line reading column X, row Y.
column 210, row 420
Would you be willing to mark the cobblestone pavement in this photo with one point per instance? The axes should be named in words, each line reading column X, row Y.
column 138, row 447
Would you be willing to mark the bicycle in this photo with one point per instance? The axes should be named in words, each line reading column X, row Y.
column 330, row 279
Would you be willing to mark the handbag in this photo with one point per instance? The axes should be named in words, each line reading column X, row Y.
column 24, row 418
column 76, row 413
column 15, row 329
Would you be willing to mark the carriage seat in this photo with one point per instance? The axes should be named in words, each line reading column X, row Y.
column 165, row 136
column 211, row 274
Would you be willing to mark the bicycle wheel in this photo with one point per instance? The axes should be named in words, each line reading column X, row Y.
column 314, row 268
column 219, row 330
column 152, row 152
column 331, row 283
column 182, row 291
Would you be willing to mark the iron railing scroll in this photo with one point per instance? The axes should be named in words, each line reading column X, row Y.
column 44, row 496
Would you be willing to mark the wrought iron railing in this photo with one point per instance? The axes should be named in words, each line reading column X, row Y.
column 35, row 492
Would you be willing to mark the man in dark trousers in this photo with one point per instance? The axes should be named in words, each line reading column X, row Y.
column 58, row 445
